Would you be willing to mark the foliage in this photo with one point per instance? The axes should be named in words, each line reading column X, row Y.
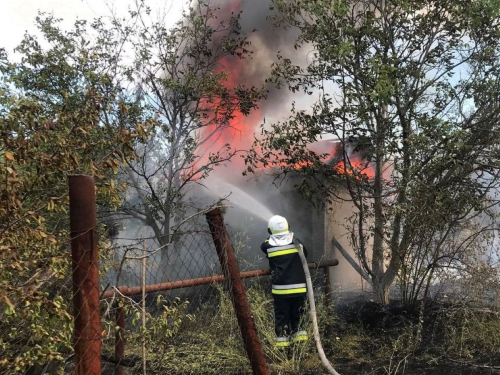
column 413, row 87
column 472, row 333
column 75, row 103
column 188, row 339
column 52, row 103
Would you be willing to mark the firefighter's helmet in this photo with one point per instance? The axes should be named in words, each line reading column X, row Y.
column 277, row 225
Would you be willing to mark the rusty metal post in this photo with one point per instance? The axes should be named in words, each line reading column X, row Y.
column 119, row 337
column 84, row 259
column 237, row 292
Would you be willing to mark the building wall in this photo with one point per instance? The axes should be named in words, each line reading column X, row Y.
column 336, row 223
column 317, row 227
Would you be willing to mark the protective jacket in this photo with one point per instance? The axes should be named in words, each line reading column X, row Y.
column 287, row 274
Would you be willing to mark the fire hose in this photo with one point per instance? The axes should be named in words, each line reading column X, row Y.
column 312, row 306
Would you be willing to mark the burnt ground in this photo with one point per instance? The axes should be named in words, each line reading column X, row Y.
column 378, row 329
column 419, row 369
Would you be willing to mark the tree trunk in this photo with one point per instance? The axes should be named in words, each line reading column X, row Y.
column 164, row 240
column 381, row 292
column 378, row 234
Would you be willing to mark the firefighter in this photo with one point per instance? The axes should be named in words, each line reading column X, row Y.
column 288, row 282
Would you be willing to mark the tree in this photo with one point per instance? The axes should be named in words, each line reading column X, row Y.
column 185, row 87
column 447, row 256
column 416, row 86
column 52, row 105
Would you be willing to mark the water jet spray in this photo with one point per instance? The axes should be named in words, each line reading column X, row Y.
column 239, row 198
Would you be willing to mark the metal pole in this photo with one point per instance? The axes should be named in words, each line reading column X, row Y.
column 327, row 288
column 119, row 337
column 170, row 285
column 237, row 292
column 143, row 306
column 87, row 332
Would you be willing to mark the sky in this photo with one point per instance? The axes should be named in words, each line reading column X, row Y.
column 18, row 16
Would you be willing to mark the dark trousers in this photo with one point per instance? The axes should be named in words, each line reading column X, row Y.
column 287, row 314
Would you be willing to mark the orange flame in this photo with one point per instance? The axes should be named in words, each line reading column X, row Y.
column 357, row 168
column 238, row 133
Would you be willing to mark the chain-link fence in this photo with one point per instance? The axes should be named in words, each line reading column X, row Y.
column 127, row 304
column 177, row 310
column 177, row 314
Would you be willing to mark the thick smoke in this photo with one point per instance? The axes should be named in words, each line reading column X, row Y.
column 315, row 228
column 266, row 42
column 252, row 200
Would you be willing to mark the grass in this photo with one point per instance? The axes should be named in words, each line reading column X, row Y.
column 206, row 339
column 184, row 338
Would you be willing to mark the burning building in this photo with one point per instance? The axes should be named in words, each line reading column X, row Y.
column 252, row 201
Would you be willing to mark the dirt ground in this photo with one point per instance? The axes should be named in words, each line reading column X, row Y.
column 419, row 369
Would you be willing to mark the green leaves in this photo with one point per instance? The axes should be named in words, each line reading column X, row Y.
column 61, row 112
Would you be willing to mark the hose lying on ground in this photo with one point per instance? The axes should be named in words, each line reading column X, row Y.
column 312, row 305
